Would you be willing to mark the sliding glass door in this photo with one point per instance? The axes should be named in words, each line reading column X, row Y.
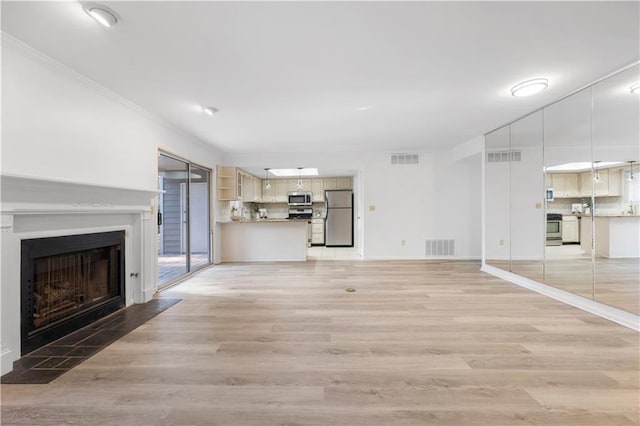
column 183, row 218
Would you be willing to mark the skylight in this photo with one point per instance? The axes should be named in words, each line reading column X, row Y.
column 294, row 172
column 582, row 166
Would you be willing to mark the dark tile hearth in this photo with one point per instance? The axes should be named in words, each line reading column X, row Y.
column 51, row 361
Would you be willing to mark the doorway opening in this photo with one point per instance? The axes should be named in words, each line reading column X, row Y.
column 184, row 228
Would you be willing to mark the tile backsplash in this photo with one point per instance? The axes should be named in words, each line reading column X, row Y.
column 604, row 205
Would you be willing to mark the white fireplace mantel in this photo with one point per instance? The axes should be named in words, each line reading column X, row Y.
column 37, row 207
column 30, row 194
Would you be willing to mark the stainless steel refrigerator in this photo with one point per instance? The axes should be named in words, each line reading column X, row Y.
column 339, row 222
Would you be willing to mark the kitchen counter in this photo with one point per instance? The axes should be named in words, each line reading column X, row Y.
column 264, row 240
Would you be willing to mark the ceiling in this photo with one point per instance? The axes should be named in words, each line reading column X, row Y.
column 335, row 76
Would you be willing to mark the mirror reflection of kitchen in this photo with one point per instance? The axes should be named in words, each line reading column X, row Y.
column 612, row 215
column 568, row 169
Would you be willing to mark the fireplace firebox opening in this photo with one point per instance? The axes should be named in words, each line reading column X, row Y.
column 67, row 283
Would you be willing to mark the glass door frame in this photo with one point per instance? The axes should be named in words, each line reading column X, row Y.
column 187, row 215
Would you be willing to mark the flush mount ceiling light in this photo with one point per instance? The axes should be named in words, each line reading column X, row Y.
column 102, row 14
column 529, row 87
column 294, row 172
column 635, row 89
column 209, row 110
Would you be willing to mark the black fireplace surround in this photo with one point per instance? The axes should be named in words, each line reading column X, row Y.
column 67, row 283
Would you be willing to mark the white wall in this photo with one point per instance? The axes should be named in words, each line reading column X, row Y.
column 437, row 199
column 58, row 124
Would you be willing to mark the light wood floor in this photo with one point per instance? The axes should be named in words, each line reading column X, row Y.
column 418, row 343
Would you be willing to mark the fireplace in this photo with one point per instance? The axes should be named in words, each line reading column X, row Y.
column 67, row 283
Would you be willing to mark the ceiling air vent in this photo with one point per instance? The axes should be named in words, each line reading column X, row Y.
column 503, row 156
column 440, row 248
column 404, row 159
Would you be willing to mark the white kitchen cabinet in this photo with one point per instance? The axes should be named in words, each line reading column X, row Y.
column 343, row 183
column 317, row 189
column 257, row 190
column 317, row 231
column 565, row 185
column 282, row 188
column 615, row 182
column 601, row 187
column 610, row 183
column 586, row 184
column 570, row 229
column 330, row 184
column 247, row 187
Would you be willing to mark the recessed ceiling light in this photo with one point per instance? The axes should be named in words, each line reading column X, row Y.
column 529, row 87
column 635, row 89
column 300, row 171
column 209, row 110
column 102, row 14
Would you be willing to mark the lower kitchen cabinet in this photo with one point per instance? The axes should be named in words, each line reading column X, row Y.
column 317, row 232
column 570, row 229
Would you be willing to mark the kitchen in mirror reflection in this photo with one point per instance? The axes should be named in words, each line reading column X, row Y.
column 562, row 193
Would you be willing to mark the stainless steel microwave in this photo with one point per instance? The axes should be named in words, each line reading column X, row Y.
column 300, row 199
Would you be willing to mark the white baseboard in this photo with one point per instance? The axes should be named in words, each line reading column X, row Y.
column 616, row 315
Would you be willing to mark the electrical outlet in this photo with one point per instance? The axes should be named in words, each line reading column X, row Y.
column 538, row 205
column 501, row 242
column 403, row 242
column 372, row 208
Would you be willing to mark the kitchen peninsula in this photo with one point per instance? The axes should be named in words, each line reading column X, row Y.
column 617, row 236
column 264, row 240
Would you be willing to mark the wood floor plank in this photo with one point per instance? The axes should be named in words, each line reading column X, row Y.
column 419, row 342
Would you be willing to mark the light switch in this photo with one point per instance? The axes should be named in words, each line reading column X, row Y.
column 538, row 205
column 372, row 208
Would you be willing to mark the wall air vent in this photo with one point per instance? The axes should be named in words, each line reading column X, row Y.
column 503, row 156
column 401, row 159
column 440, row 248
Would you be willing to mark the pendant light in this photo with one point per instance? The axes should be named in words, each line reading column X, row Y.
column 267, row 184
column 631, row 176
column 299, row 184
column 596, row 175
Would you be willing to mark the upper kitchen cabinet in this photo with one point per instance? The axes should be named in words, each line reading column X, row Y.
column 605, row 182
column 282, row 189
column 257, row 189
column 247, row 186
column 229, row 186
column 565, row 185
column 317, row 190
column 337, row 183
